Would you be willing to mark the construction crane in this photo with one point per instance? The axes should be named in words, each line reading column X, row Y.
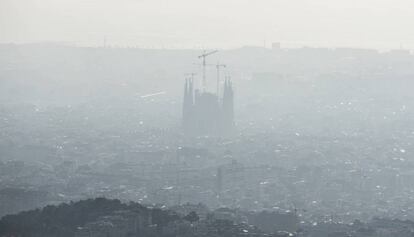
column 218, row 66
column 204, row 55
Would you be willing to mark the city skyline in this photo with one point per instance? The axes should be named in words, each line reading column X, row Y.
column 213, row 24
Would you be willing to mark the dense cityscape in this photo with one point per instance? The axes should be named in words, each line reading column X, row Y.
column 319, row 139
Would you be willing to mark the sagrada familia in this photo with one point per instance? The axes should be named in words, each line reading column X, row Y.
column 205, row 113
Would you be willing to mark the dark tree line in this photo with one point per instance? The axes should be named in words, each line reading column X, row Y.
column 62, row 220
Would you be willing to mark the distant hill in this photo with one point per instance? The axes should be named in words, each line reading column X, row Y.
column 69, row 219
column 104, row 217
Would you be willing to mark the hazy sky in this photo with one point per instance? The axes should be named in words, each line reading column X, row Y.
column 210, row 23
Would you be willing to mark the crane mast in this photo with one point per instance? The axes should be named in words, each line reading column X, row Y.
column 204, row 55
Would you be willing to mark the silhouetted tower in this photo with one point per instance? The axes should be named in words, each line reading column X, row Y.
column 205, row 113
column 228, row 108
column 188, row 103
column 218, row 66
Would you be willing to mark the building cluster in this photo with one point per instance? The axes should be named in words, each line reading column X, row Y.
column 192, row 220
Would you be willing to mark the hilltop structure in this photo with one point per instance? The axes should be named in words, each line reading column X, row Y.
column 205, row 113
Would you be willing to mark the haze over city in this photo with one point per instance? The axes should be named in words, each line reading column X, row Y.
column 190, row 118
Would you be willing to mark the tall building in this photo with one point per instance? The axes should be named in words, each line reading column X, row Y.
column 205, row 113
